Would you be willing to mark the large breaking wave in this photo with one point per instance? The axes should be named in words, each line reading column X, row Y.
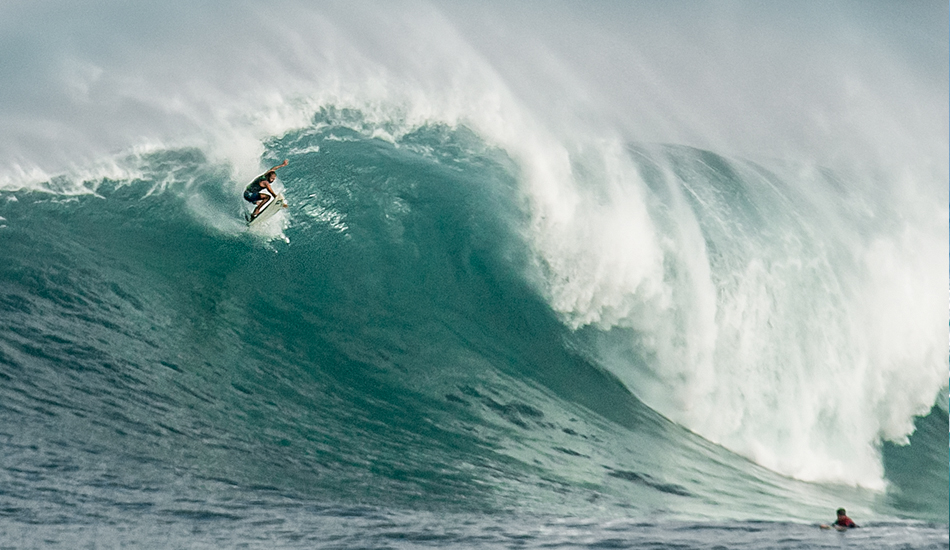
column 479, row 298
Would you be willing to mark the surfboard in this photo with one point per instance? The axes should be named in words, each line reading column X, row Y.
column 270, row 208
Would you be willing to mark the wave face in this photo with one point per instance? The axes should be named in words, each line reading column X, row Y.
column 504, row 284
column 392, row 347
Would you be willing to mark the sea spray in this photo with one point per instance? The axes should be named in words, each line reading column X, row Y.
column 787, row 332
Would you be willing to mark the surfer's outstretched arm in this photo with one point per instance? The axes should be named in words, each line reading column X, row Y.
column 281, row 165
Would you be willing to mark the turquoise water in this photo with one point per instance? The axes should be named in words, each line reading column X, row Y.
column 381, row 361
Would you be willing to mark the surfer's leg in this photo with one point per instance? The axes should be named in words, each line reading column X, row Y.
column 257, row 209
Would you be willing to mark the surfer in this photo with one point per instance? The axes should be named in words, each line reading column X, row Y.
column 842, row 523
column 257, row 191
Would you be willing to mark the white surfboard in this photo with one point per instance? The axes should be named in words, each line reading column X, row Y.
column 270, row 208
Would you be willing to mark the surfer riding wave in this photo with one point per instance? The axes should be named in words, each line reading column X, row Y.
column 260, row 191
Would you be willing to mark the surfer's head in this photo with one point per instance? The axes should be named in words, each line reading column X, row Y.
column 270, row 176
column 840, row 511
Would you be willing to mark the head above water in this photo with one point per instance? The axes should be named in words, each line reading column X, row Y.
column 840, row 511
column 270, row 176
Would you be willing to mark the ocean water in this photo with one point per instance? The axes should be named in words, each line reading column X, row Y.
column 493, row 316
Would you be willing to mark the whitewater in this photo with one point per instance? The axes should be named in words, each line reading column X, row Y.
column 553, row 275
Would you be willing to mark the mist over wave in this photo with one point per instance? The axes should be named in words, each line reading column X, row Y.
column 739, row 213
